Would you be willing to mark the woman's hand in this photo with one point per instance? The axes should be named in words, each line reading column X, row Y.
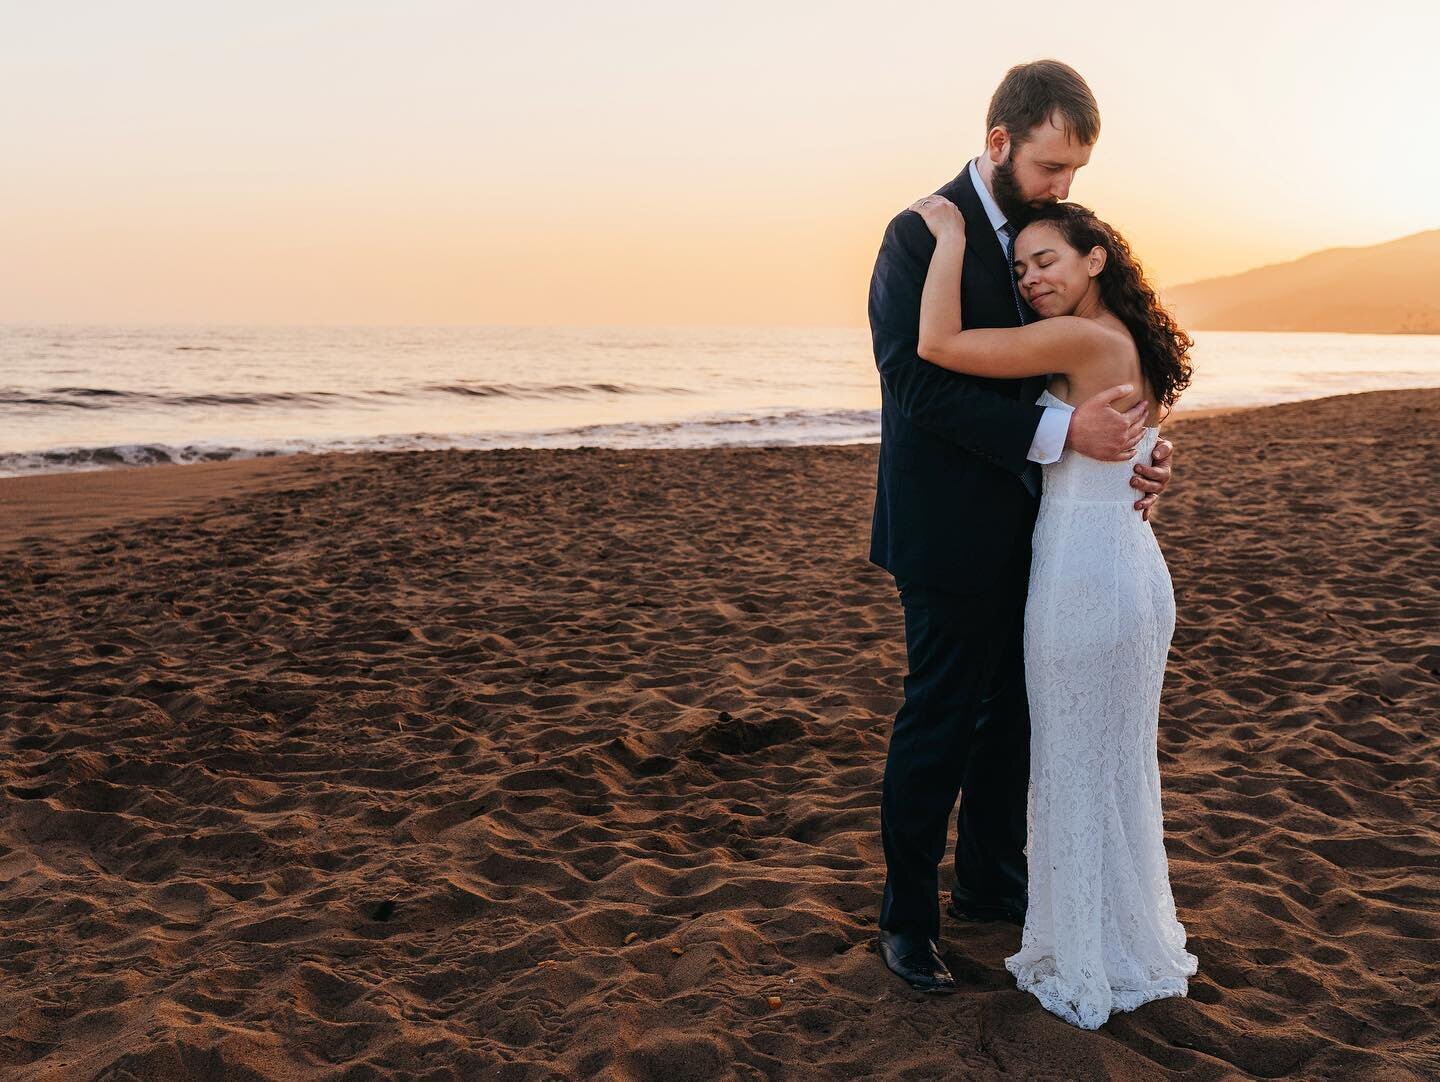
column 942, row 216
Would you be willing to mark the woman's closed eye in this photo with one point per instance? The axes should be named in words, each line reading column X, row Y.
column 1021, row 268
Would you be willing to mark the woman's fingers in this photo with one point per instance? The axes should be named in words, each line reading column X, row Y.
column 932, row 203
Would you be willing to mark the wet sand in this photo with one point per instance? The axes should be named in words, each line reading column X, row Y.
column 560, row 764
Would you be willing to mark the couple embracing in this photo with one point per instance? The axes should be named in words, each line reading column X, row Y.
column 1024, row 363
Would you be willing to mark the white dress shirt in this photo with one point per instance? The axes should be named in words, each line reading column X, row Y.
column 1054, row 424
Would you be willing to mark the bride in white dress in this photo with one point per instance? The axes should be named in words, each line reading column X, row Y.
column 1101, row 934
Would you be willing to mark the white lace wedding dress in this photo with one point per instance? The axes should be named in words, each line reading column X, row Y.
column 1100, row 928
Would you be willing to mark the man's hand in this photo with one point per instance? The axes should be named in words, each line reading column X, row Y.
column 1098, row 430
column 1154, row 477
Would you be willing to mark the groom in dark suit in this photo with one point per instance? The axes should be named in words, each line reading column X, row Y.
column 956, row 495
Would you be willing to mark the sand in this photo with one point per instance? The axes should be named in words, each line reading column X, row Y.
column 70, row 505
column 560, row 764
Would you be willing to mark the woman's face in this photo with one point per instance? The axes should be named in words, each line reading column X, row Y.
column 1054, row 278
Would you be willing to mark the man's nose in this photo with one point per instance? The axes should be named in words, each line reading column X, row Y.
column 1061, row 188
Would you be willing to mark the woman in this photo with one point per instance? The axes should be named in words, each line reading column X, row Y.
column 1100, row 928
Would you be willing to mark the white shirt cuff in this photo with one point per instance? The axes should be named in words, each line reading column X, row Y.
column 1050, row 435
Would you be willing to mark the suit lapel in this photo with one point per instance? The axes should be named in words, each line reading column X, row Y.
column 978, row 233
column 981, row 239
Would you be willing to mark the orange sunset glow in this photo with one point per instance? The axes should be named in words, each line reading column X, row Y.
column 655, row 163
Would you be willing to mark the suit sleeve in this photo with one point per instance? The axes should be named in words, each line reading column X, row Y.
column 948, row 404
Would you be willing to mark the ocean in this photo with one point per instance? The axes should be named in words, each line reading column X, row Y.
column 100, row 397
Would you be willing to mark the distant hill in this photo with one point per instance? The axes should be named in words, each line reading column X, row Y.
column 1391, row 288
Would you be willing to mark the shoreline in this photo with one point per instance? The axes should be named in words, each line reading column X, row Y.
column 65, row 505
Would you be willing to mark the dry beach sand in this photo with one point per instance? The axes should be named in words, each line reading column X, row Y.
column 561, row 764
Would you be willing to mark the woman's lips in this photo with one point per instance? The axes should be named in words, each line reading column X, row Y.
column 1039, row 296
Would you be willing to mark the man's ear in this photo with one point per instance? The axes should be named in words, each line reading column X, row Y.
column 997, row 144
column 1095, row 261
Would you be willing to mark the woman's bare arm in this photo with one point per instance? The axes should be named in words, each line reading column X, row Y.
column 1061, row 344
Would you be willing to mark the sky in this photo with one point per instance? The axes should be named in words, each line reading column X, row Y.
column 655, row 163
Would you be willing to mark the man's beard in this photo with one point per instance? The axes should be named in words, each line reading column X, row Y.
column 1016, row 208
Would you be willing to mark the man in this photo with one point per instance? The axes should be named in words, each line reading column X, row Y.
column 957, row 491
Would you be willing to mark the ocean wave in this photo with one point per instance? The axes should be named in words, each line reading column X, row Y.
column 779, row 428
column 118, row 398
column 478, row 389
column 80, row 459
column 775, row 428
column 113, row 397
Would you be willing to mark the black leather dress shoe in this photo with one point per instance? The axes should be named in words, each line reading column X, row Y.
column 917, row 960
column 967, row 906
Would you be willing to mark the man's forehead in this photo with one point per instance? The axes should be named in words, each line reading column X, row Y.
column 1056, row 146
column 1057, row 136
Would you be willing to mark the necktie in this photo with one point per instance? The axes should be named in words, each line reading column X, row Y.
column 1028, row 476
column 1009, row 231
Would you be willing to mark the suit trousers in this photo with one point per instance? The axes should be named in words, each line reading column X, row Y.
column 963, row 730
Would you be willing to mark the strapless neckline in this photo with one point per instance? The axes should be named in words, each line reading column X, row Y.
column 1056, row 400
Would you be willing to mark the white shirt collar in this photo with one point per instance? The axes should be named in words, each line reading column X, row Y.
column 992, row 210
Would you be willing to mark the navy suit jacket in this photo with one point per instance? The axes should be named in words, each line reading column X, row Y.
column 952, row 510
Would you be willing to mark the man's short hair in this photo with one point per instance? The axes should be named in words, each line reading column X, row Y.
column 1030, row 93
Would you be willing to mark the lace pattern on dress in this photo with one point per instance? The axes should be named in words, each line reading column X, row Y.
column 1101, row 934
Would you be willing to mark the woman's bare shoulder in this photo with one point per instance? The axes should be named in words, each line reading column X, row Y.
column 1114, row 360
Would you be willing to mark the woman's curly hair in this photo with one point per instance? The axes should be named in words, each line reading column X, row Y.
column 1164, row 348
